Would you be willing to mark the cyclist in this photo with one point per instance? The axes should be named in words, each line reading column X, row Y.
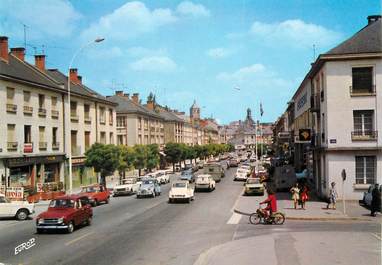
column 271, row 202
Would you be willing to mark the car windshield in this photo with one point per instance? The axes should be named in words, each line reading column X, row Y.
column 179, row 185
column 148, row 182
column 253, row 181
column 89, row 189
column 61, row 203
column 129, row 181
column 241, row 171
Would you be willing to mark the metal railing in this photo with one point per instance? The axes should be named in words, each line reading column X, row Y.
column 55, row 145
column 11, row 108
column 364, row 135
column 28, row 109
column 88, row 119
column 12, row 146
column 362, row 91
column 54, row 113
column 42, row 145
column 42, row 112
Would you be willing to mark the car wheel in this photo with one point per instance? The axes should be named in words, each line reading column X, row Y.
column 89, row 220
column 169, row 200
column 153, row 194
column 39, row 231
column 138, row 196
column 22, row 214
column 188, row 200
column 107, row 201
column 70, row 227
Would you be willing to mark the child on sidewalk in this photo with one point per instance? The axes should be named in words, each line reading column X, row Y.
column 295, row 194
column 332, row 196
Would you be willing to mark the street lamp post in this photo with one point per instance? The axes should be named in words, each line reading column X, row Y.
column 69, row 144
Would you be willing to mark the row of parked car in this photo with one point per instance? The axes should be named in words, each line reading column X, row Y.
column 253, row 177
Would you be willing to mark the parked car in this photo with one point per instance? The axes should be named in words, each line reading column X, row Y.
column 96, row 193
column 65, row 213
column 162, row 176
column 367, row 196
column 254, row 186
column 215, row 170
column 17, row 209
column 129, row 186
column 181, row 190
column 252, row 158
column 205, row 181
column 149, row 187
column 233, row 162
column 187, row 175
column 241, row 174
column 200, row 164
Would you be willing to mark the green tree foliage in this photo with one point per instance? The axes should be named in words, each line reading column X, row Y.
column 173, row 153
column 152, row 159
column 103, row 158
column 140, row 161
column 126, row 159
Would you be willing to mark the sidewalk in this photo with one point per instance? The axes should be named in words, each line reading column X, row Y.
column 315, row 209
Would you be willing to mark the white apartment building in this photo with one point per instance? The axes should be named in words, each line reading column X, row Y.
column 36, row 113
column 346, row 87
column 137, row 124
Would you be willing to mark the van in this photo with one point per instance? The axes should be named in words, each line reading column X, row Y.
column 215, row 170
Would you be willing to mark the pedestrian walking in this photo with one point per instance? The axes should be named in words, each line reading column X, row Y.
column 295, row 194
column 332, row 196
column 304, row 196
column 376, row 200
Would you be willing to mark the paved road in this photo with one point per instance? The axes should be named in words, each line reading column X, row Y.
column 150, row 231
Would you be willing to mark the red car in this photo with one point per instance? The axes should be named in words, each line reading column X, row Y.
column 65, row 213
column 96, row 193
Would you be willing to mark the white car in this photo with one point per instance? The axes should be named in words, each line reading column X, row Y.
column 18, row 209
column 205, row 181
column 181, row 190
column 241, row 174
column 162, row 176
column 128, row 186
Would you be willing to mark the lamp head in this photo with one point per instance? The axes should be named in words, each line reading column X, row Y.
column 99, row 39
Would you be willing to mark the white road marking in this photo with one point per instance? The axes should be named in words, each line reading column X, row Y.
column 237, row 200
column 235, row 219
column 280, row 229
column 78, row 238
column 377, row 236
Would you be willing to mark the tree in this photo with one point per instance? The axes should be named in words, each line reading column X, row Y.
column 140, row 160
column 173, row 153
column 126, row 159
column 103, row 158
column 152, row 159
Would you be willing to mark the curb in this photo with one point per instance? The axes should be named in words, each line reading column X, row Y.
column 314, row 218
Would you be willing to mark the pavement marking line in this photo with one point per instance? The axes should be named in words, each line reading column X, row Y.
column 78, row 238
column 237, row 200
column 377, row 236
column 235, row 219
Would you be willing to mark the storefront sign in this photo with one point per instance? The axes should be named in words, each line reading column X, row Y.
column 39, row 187
column 333, row 141
column 13, row 192
column 25, row 161
column 78, row 160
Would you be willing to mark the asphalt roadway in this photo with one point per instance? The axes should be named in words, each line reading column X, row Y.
column 151, row 231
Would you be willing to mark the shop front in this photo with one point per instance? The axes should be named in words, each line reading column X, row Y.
column 81, row 174
column 37, row 175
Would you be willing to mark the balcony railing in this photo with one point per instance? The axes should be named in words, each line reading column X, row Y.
column 28, row 110
column 76, row 150
column 42, row 145
column 362, row 92
column 55, row 114
column 28, row 148
column 102, row 120
column 315, row 103
column 42, row 112
column 11, row 108
column 88, row 119
column 74, row 117
column 364, row 135
column 12, row 146
column 55, row 145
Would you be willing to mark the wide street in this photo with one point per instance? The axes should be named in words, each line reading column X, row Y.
column 152, row 231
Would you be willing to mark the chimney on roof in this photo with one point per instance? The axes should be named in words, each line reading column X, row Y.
column 135, row 98
column 150, row 104
column 372, row 19
column 126, row 95
column 39, row 61
column 19, row 52
column 119, row 93
column 4, row 48
column 73, row 75
column 79, row 77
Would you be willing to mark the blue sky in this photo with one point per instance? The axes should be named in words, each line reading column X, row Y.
column 186, row 50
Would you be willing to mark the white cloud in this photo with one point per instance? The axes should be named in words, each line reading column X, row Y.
column 294, row 33
column 196, row 10
column 217, row 53
column 53, row 18
column 242, row 73
column 160, row 64
column 129, row 20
